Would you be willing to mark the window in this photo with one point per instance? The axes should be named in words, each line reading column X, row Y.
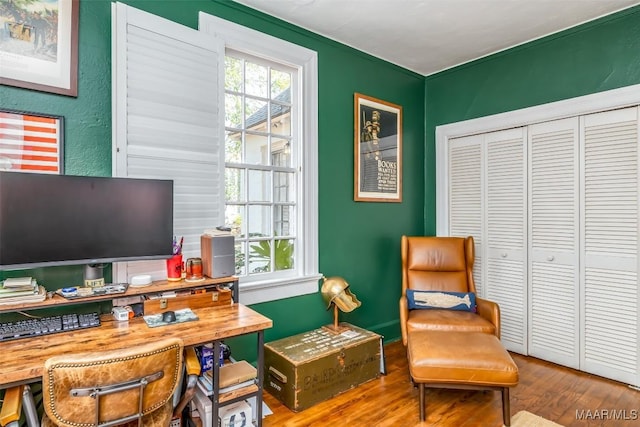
column 176, row 116
column 270, row 160
column 260, row 170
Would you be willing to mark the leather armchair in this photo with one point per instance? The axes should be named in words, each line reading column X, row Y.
column 443, row 264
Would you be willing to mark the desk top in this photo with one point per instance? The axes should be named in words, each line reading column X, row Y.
column 22, row 360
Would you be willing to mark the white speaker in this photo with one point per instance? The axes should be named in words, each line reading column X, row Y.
column 218, row 255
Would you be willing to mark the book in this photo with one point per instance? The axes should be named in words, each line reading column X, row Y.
column 206, row 386
column 232, row 377
column 17, row 282
column 14, row 290
column 33, row 296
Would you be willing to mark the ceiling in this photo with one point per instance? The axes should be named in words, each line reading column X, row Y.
column 427, row 36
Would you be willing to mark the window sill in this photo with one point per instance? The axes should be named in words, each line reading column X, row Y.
column 271, row 290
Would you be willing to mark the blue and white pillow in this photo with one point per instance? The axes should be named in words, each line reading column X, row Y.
column 460, row 301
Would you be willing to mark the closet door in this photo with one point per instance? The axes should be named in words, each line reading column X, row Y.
column 505, row 232
column 466, row 196
column 610, row 246
column 553, row 241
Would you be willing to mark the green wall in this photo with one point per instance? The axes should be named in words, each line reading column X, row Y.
column 358, row 241
column 594, row 57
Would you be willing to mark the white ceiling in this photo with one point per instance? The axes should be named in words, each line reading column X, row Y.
column 427, row 36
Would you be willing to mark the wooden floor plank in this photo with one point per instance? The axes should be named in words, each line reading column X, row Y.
column 545, row 389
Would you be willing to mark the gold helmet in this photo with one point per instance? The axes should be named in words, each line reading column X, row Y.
column 335, row 290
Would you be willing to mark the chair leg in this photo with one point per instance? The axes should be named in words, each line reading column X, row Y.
column 506, row 408
column 421, row 388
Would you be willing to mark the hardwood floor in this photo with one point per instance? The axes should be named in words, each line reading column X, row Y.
column 568, row 397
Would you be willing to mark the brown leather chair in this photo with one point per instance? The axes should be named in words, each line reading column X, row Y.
column 119, row 387
column 449, row 348
column 442, row 264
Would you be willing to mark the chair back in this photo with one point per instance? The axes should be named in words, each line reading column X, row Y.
column 113, row 387
column 437, row 264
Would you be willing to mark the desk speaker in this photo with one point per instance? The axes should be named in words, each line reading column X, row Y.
column 218, row 255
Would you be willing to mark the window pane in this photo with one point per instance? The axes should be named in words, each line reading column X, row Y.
column 281, row 152
column 234, row 188
column 233, row 74
column 283, row 220
column 232, row 147
column 256, row 77
column 256, row 115
column 233, row 215
column 233, row 111
column 260, row 256
column 280, row 81
column 280, row 122
column 283, row 255
column 257, row 149
column 241, row 257
column 259, row 186
column 283, row 187
column 259, row 221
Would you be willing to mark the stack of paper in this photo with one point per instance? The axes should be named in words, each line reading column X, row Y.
column 232, row 377
column 18, row 290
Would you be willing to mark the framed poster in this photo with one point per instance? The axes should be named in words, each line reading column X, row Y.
column 39, row 45
column 377, row 150
column 31, row 142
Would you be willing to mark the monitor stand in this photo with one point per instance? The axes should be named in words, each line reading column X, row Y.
column 94, row 275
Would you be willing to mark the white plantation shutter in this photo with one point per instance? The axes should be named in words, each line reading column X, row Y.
column 553, row 242
column 505, row 225
column 168, row 120
column 610, row 263
column 465, row 196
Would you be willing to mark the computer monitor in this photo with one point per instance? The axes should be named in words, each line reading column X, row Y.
column 52, row 220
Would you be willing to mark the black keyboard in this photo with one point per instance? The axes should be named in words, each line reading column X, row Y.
column 47, row 325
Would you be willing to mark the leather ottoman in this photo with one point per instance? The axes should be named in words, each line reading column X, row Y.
column 451, row 359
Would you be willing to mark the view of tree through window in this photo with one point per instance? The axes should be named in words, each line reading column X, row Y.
column 260, row 171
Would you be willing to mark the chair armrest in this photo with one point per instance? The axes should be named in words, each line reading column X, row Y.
column 11, row 406
column 404, row 316
column 192, row 367
column 491, row 311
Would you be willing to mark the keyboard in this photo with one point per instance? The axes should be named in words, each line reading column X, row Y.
column 47, row 325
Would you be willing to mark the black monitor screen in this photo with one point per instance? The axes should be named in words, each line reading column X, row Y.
column 62, row 219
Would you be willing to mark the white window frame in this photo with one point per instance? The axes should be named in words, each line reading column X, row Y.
column 305, row 61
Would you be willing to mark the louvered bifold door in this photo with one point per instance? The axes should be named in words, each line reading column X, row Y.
column 553, row 241
column 465, row 196
column 505, row 232
column 168, row 120
column 610, row 245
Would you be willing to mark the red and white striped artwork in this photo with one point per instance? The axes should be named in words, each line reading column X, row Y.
column 30, row 143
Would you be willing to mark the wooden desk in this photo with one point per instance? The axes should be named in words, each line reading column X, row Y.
column 22, row 360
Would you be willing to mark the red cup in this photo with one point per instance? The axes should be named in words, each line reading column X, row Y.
column 174, row 268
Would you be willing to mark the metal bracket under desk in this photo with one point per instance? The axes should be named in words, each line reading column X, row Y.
column 215, row 396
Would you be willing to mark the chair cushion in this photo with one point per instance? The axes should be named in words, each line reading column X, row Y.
column 448, row 320
column 463, row 301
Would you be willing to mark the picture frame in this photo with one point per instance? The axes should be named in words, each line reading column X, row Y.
column 39, row 45
column 31, row 142
column 377, row 150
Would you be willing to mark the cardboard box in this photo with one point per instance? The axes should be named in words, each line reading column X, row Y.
column 308, row 368
column 211, row 297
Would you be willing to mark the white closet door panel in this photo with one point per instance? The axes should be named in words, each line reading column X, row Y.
column 553, row 241
column 465, row 196
column 505, row 232
column 610, row 261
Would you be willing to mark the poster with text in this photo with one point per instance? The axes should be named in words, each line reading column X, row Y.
column 377, row 150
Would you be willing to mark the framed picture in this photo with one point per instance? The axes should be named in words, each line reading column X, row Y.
column 39, row 45
column 377, row 150
column 31, row 142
